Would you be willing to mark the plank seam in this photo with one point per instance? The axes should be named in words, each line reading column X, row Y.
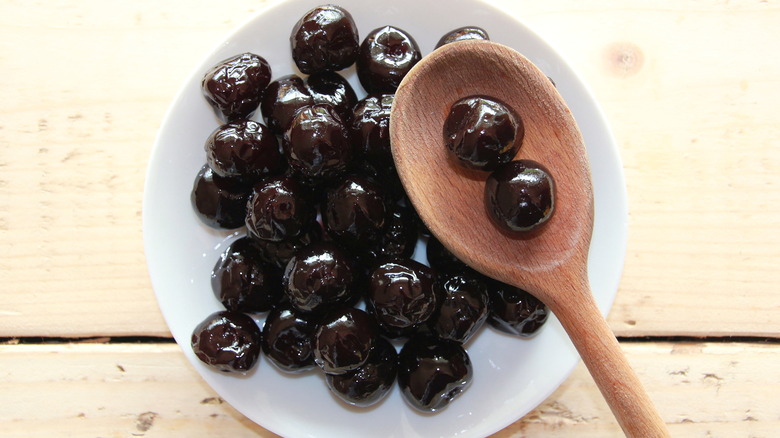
column 34, row 340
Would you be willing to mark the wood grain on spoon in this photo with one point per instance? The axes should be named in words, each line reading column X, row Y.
column 551, row 263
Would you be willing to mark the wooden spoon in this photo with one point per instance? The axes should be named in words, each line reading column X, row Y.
column 552, row 263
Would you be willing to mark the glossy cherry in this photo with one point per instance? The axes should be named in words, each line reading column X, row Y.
column 432, row 372
column 515, row 311
column 463, row 34
column 317, row 143
column 219, row 202
column 370, row 127
column 228, row 341
column 520, row 196
column 234, row 86
column 244, row 149
column 288, row 340
column 242, row 282
column 282, row 99
column 354, row 211
column 386, row 55
column 370, row 382
column 344, row 340
column 399, row 238
column 324, row 39
column 331, row 88
column 401, row 296
column 279, row 209
column 483, row 132
column 462, row 310
column 319, row 276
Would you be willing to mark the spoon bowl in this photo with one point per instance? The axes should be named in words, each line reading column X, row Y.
column 551, row 262
column 450, row 198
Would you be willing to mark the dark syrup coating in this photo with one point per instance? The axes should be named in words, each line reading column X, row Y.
column 462, row 310
column 515, row 311
column 331, row 88
column 401, row 296
column 370, row 382
column 482, row 132
column 244, row 149
column 228, row 341
column 385, row 176
column 279, row 209
column 219, row 202
column 318, row 277
column 242, row 282
column 288, row 340
column 463, row 34
column 520, row 196
column 370, row 127
column 399, row 238
column 442, row 260
column 324, row 39
column 234, row 86
column 282, row 99
column 279, row 253
column 432, row 372
column 386, row 55
column 317, row 143
column 344, row 340
column 354, row 212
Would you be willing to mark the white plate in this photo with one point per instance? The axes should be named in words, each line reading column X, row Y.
column 511, row 375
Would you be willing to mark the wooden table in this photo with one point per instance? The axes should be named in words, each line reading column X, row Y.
column 691, row 89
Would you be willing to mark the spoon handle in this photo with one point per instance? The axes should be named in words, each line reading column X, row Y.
column 601, row 353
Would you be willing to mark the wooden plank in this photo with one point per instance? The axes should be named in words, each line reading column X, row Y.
column 687, row 85
column 74, row 149
column 700, row 142
column 113, row 390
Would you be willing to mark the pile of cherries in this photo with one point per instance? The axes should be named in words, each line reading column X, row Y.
column 329, row 230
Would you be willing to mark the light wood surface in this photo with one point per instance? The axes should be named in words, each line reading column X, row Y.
column 703, row 390
column 690, row 88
